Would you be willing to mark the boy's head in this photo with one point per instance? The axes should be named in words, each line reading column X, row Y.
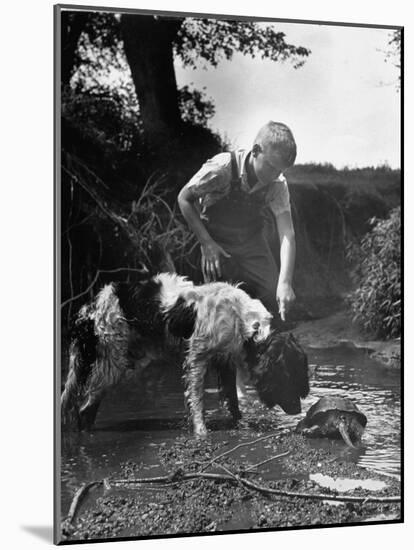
column 274, row 150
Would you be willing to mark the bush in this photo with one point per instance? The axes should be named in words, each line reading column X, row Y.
column 376, row 302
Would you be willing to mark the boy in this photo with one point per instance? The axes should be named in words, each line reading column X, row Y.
column 223, row 204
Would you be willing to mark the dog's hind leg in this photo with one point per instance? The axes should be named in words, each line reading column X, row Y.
column 82, row 356
column 89, row 410
column 194, row 373
column 105, row 375
column 228, row 388
column 69, row 401
column 69, row 412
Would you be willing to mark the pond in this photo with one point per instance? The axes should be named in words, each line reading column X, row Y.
column 131, row 427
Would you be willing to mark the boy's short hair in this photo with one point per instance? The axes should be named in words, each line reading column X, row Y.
column 279, row 136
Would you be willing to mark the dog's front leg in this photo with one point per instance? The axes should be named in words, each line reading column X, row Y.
column 228, row 389
column 194, row 373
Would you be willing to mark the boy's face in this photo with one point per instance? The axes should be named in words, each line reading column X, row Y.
column 267, row 163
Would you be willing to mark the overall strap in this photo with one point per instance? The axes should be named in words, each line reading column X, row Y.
column 235, row 178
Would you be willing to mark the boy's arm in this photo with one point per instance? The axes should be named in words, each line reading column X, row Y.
column 210, row 250
column 284, row 293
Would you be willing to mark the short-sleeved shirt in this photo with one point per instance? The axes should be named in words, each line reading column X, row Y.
column 213, row 182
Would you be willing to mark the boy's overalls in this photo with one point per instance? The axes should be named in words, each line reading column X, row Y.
column 236, row 223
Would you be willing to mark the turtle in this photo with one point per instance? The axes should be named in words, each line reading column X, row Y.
column 334, row 417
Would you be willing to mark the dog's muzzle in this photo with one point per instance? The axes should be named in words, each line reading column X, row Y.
column 291, row 407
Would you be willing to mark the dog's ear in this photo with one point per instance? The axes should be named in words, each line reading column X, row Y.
column 140, row 305
column 299, row 361
column 279, row 372
column 269, row 373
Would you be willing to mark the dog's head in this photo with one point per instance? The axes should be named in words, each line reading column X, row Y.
column 279, row 371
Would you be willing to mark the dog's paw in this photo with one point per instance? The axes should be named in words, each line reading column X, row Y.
column 200, row 431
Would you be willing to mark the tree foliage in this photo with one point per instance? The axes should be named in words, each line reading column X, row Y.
column 376, row 302
column 393, row 52
column 212, row 40
column 394, row 45
column 99, row 28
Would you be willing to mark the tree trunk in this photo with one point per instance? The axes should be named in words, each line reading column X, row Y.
column 148, row 48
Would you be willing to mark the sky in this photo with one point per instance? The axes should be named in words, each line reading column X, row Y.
column 343, row 105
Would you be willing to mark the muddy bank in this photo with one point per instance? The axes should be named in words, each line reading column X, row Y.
column 218, row 505
column 337, row 329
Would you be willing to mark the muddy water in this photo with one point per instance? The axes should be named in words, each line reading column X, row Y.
column 133, row 426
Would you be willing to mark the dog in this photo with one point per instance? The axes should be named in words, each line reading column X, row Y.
column 211, row 325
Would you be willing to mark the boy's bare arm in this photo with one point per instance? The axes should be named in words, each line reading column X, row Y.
column 210, row 250
column 285, row 294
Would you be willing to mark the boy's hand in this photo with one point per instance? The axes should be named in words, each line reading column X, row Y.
column 210, row 260
column 284, row 297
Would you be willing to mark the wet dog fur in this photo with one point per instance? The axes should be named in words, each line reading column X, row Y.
column 212, row 325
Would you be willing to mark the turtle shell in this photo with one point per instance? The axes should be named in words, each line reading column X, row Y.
column 318, row 412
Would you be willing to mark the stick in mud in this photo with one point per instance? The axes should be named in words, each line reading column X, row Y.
column 250, row 468
column 281, row 432
column 262, row 489
column 78, row 498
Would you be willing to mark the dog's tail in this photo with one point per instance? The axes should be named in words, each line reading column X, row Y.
column 82, row 356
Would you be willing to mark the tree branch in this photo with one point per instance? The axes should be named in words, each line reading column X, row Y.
column 98, row 272
column 266, row 461
column 79, row 497
column 255, row 486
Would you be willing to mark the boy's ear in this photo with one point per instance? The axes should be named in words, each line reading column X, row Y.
column 256, row 149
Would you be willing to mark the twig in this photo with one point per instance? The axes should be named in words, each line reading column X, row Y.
column 169, row 479
column 70, row 274
column 246, row 444
column 77, row 224
column 266, row 461
column 151, row 182
column 319, row 496
column 78, row 161
column 118, row 269
column 70, row 250
column 120, row 221
column 98, row 272
column 78, row 498
column 73, row 298
column 234, row 476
